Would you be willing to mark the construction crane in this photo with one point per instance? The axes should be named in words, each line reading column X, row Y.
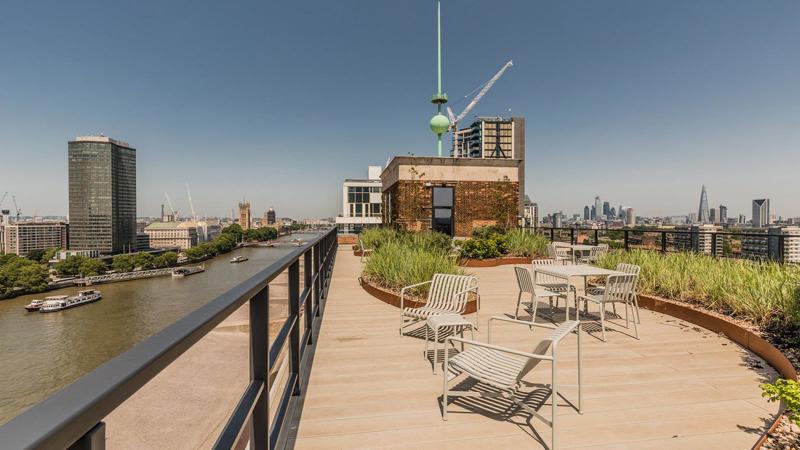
column 171, row 208
column 191, row 204
column 17, row 211
column 2, row 199
column 483, row 90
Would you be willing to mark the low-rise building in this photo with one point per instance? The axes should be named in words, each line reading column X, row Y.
column 452, row 195
column 700, row 239
column 768, row 246
column 172, row 234
column 361, row 203
column 22, row 238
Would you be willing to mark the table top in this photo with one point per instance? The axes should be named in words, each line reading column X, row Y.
column 447, row 320
column 576, row 270
column 582, row 247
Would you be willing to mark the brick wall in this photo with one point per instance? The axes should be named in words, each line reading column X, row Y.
column 477, row 203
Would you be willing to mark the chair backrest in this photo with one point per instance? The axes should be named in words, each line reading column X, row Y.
column 360, row 244
column 524, row 279
column 544, row 345
column 631, row 269
column 619, row 288
column 541, row 278
column 449, row 292
column 558, row 250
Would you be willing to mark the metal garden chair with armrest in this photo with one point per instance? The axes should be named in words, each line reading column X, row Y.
column 448, row 294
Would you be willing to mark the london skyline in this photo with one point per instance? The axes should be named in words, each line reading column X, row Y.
column 648, row 101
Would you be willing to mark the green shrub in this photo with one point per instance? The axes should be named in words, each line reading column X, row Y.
column 479, row 249
column 760, row 292
column 521, row 243
column 429, row 240
column 487, row 231
column 396, row 264
column 373, row 237
column 787, row 391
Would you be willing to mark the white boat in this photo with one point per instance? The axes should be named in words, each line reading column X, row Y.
column 238, row 259
column 59, row 302
column 34, row 305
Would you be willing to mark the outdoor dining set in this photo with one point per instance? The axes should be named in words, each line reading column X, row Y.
column 567, row 276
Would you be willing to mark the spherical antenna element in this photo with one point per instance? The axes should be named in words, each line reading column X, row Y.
column 440, row 124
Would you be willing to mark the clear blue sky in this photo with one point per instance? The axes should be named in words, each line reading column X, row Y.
column 639, row 102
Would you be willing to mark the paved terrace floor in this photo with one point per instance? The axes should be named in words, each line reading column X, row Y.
column 680, row 386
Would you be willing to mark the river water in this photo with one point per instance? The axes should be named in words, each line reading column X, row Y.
column 41, row 353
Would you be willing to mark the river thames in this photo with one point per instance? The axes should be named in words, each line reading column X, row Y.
column 41, row 353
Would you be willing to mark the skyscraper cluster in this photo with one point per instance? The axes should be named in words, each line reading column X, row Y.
column 603, row 211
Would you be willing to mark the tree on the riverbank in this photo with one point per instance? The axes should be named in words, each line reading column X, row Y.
column 123, row 263
column 20, row 275
column 144, row 261
column 71, row 266
column 165, row 260
column 92, row 267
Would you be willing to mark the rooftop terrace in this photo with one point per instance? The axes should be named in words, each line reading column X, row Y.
column 679, row 386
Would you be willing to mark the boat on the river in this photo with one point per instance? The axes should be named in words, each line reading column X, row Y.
column 238, row 259
column 34, row 305
column 181, row 272
column 59, row 302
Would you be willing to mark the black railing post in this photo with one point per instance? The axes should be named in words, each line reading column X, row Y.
column 572, row 236
column 596, row 236
column 308, row 289
column 294, row 315
column 627, row 245
column 94, row 439
column 259, row 368
column 781, row 248
column 663, row 242
column 317, row 259
column 552, row 234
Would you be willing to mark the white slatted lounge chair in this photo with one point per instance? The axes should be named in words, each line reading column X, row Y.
column 618, row 289
column 504, row 368
column 549, row 282
column 559, row 252
column 526, row 286
column 631, row 269
column 448, row 294
column 364, row 251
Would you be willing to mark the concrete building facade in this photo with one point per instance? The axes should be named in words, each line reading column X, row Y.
column 361, row 203
column 172, row 234
column 761, row 217
column 21, row 238
column 102, row 194
column 245, row 217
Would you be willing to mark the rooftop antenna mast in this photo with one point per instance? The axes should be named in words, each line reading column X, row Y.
column 439, row 123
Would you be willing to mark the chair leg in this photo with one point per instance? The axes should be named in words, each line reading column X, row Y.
column 636, row 302
column 435, row 348
column 635, row 326
column 444, row 388
column 534, row 306
column 603, row 319
column 519, row 300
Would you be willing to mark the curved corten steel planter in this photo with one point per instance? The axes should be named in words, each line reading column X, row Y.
column 357, row 252
column 494, row 262
column 394, row 299
column 732, row 331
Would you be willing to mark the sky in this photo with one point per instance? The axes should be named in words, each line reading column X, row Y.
column 639, row 102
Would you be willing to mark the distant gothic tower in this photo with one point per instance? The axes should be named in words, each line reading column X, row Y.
column 703, row 214
column 244, row 215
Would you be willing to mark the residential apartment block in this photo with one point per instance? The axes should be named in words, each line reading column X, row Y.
column 21, row 238
column 172, row 234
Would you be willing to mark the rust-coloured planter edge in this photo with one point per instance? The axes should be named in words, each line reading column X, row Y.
column 734, row 332
column 494, row 262
column 394, row 299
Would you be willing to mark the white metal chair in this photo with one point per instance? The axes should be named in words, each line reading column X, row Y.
column 448, row 294
column 364, row 250
column 618, row 289
column 595, row 253
column 549, row 282
column 504, row 368
column 526, row 286
column 559, row 252
column 631, row 269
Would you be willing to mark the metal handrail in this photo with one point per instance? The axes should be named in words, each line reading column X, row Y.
column 74, row 414
column 777, row 255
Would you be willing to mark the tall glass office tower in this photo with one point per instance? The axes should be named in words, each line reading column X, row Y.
column 703, row 213
column 102, row 195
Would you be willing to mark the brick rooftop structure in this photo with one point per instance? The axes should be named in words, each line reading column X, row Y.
column 469, row 192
